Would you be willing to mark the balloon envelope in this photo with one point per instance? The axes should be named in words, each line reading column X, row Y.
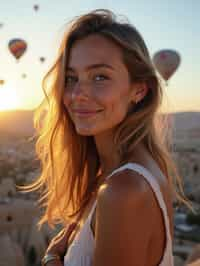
column 36, row 7
column 1, row 81
column 166, row 62
column 42, row 59
column 17, row 47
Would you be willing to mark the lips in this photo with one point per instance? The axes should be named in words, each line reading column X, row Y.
column 85, row 113
column 81, row 111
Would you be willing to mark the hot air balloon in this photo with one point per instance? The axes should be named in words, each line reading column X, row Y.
column 23, row 75
column 17, row 47
column 2, row 81
column 42, row 59
column 1, row 25
column 166, row 62
column 36, row 7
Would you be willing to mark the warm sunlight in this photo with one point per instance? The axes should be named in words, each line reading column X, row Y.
column 9, row 98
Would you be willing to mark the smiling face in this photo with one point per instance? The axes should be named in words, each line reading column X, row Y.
column 98, row 92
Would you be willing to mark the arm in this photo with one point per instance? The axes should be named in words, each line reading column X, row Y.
column 124, row 221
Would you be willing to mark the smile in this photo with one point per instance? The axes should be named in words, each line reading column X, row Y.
column 86, row 113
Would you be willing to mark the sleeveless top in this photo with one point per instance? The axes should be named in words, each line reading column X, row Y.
column 81, row 250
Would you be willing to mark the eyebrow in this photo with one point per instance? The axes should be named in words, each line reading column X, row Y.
column 93, row 67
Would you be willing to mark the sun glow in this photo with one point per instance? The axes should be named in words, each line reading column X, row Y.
column 9, row 98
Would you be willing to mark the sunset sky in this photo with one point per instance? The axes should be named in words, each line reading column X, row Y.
column 172, row 24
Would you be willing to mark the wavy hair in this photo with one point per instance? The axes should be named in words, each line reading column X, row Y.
column 70, row 162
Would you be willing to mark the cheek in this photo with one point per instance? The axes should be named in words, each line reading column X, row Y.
column 106, row 95
column 67, row 103
column 114, row 99
column 66, row 99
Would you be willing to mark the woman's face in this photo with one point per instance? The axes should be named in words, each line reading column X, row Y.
column 98, row 92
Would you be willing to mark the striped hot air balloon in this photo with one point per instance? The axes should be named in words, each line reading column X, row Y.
column 17, row 47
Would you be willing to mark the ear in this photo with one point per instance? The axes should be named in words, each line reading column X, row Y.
column 140, row 91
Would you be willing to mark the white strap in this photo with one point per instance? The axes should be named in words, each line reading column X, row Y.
column 155, row 187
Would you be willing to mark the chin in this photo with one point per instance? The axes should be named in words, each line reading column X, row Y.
column 88, row 131
column 85, row 132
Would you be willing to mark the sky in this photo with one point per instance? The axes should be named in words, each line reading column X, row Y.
column 172, row 24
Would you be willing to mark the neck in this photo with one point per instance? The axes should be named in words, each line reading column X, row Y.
column 109, row 158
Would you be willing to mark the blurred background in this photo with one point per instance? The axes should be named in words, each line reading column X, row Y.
column 30, row 33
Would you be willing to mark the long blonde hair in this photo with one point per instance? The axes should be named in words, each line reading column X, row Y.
column 70, row 162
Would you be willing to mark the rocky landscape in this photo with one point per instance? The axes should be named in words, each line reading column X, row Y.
column 21, row 242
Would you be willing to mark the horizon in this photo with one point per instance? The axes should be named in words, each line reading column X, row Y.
column 32, row 110
column 42, row 30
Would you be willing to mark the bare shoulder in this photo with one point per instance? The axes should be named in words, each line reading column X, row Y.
column 125, row 188
column 125, row 223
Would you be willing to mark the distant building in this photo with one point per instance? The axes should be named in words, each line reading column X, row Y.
column 10, row 252
column 7, row 188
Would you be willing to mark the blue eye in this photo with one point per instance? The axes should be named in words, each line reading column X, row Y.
column 70, row 79
column 101, row 77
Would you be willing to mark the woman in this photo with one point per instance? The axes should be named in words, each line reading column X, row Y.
column 105, row 160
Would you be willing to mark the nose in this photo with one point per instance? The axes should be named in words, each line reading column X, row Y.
column 80, row 90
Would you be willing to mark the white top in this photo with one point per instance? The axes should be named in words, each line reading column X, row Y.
column 81, row 250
